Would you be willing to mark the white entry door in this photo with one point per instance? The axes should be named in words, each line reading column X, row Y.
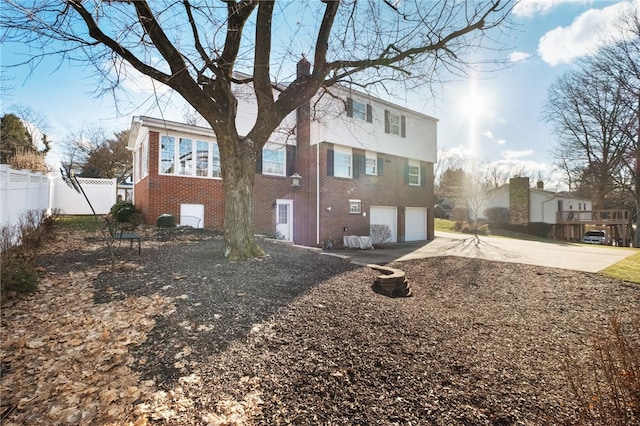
column 284, row 219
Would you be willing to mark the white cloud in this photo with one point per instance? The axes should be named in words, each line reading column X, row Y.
column 519, row 56
column 528, row 8
column 511, row 154
column 585, row 35
column 488, row 134
column 501, row 141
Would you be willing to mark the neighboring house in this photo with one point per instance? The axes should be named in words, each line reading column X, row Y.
column 527, row 205
column 333, row 170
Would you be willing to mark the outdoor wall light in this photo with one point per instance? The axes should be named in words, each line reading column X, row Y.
column 295, row 179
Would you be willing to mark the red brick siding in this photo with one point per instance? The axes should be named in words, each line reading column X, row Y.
column 386, row 190
column 159, row 194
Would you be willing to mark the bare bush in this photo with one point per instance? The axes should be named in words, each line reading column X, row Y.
column 607, row 386
column 380, row 234
column 18, row 243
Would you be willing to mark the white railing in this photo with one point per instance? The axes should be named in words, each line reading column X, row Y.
column 22, row 190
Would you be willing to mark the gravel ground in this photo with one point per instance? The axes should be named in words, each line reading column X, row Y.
column 301, row 338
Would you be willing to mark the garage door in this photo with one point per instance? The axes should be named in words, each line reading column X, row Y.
column 415, row 220
column 382, row 215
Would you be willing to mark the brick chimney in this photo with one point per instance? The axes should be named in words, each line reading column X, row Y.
column 540, row 184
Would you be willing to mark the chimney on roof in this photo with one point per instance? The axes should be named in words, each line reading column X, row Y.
column 303, row 67
column 540, row 184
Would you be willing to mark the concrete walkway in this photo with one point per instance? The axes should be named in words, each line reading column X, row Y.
column 554, row 254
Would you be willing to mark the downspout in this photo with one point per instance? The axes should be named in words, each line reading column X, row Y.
column 318, row 192
column 550, row 199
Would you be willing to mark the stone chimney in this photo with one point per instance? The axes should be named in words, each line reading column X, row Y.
column 540, row 184
column 519, row 200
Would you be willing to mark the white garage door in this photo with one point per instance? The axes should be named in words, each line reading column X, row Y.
column 415, row 221
column 380, row 215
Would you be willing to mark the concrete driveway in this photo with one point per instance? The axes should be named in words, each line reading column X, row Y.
column 554, row 254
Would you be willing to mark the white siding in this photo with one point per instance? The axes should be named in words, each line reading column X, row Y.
column 331, row 124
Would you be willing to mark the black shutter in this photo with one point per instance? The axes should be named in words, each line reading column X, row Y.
column 330, row 162
column 380, row 163
column 423, row 178
column 406, row 173
column 356, row 166
column 259, row 163
column 369, row 114
column 403, row 126
column 359, row 165
column 349, row 107
column 291, row 160
column 386, row 121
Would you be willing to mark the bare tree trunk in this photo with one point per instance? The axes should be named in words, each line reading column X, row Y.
column 238, row 176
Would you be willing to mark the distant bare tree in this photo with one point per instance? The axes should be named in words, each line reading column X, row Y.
column 196, row 48
column 595, row 111
column 585, row 109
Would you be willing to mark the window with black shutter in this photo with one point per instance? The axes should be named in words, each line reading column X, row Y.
column 330, row 162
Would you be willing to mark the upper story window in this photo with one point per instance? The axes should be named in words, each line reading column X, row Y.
column 340, row 162
column 360, row 110
column 414, row 173
column 395, row 124
column 188, row 157
column 274, row 161
column 342, row 166
column 371, row 163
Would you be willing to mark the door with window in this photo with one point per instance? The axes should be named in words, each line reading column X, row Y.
column 284, row 219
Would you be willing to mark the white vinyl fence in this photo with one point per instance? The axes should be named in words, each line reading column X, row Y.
column 101, row 192
column 22, row 190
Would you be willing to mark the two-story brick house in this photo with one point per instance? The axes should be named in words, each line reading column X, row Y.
column 341, row 163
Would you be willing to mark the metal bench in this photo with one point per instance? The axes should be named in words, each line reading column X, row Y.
column 120, row 235
column 191, row 222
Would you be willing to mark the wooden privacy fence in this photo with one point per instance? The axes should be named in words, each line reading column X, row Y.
column 22, row 190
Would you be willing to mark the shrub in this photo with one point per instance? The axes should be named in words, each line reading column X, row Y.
column 607, row 386
column 122, row 210
column 18, row 274
column 17, row 244
column 438, row 212
column 460, row 214
column 166, row 221
column 539, row 229
column 498, row 217
column 126, row 212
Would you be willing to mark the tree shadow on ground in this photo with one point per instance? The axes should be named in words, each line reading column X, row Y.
column 216, row 301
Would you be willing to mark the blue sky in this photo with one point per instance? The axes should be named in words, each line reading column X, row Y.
column 495, row 117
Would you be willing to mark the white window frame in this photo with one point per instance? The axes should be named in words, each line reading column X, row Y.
column 371, row 163
column 277, row 167
column 342, row 162
column 395, row 124
column 184, row 162
column 414, row 173
column 359, row 110
column 355, row 206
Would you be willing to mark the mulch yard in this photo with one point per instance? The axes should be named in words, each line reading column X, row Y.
column 182, row 336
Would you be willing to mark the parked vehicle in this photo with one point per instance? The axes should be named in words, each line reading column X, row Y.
column 596, row 236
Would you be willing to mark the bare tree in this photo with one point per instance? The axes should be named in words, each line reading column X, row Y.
column 197, row 47
column 585, row 109
column 621, row 63
column 596, row 115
